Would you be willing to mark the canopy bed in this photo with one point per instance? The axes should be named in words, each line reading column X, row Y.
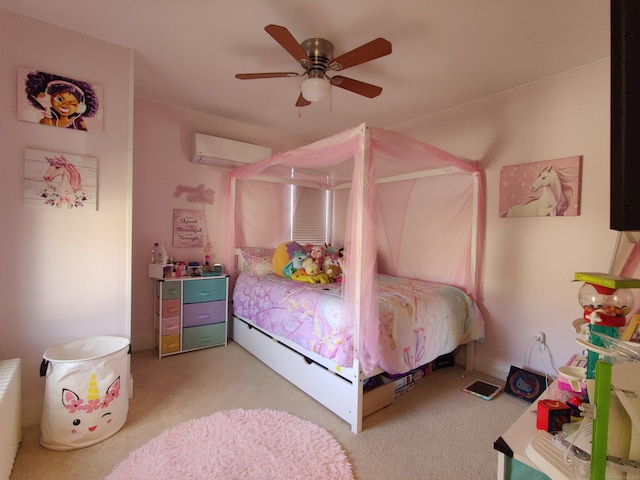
column 410, row 217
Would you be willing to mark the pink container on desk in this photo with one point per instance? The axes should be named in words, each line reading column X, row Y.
column 571, row 379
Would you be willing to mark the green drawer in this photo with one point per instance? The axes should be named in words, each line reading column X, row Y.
column 170, row 290
column 204, row 336
column 206, row 290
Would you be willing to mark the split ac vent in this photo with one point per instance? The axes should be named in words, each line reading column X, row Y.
column 223, row 152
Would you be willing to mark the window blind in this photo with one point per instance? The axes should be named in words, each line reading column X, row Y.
column 309, row 215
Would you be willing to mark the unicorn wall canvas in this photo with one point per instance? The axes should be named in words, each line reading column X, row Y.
column 60, row 180
column 541, row 189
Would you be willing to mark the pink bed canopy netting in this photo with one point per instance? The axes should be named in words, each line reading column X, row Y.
column 400, row 207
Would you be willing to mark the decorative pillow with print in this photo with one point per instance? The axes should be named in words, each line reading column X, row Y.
column 259, row 260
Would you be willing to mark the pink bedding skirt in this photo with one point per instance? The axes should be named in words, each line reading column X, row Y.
column 418, row 320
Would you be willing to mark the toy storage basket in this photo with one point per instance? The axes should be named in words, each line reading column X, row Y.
column 86, row 393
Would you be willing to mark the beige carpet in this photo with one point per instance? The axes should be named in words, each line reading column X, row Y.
column 435, row 431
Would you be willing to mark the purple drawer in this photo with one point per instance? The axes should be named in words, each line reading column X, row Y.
column 196, row 314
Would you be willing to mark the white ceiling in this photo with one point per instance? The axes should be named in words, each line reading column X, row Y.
column 445, row 52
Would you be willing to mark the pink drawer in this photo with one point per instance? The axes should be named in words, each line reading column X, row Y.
column 171, row 308
column 196, row 314
column 170, row 326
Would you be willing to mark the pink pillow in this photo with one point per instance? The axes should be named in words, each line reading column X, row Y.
column 258, row 259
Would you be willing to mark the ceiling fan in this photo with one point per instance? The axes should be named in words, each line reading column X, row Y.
column 316, row 57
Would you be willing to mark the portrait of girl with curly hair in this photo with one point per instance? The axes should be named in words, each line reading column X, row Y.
column 58, row 101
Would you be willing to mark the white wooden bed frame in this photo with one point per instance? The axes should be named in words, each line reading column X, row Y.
column 338, row 388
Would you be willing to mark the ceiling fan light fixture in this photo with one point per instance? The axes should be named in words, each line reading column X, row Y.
column 316, row 89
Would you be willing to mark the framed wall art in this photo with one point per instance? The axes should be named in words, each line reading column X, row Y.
column 60, row 180
column 57, row 101
column 188, row 228
column 549, row 188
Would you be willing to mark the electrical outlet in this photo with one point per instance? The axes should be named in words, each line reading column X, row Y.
column 540, row 337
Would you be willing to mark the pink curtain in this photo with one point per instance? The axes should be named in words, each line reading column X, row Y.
column 429, row 227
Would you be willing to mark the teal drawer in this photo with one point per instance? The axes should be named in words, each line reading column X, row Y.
column 204, row 336
column 170, row 290
column 206, row 290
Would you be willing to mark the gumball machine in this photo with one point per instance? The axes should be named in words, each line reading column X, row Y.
column 605, row 310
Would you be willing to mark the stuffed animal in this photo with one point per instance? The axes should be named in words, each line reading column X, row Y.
column 311, row 273
column 330, row 267
column 295, row 265
column 317, row 254
column 342, row 262
column 284, row 254
column 310, row 266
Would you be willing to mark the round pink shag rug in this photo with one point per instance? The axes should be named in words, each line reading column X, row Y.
column 239, row 444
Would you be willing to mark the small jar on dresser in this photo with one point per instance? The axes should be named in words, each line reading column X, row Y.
column 190, row 313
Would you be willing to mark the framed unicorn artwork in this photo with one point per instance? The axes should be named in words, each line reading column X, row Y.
column 62, row 180
column 548, row 188
column 57, row 101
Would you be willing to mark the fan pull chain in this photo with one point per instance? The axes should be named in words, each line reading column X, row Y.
column 331, row 101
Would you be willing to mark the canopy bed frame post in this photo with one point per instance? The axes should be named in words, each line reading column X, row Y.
column 357, row 265
column 470, row 347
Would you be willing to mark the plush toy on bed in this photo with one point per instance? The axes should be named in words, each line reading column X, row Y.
column 331, row 267
column 317, row 253
column 342, row 263
column 310, row 273
column 284, row 255
column 291, row 260
column 295, row 265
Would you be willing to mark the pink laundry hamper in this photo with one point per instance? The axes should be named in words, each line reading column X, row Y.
column 86, row 392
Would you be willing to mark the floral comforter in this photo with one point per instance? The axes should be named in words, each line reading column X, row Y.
column 418, row 320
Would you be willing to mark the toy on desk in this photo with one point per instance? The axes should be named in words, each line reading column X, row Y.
column 606, row 300
column 572, row 380
column 552, row 414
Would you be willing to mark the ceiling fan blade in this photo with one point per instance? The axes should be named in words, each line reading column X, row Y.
column 251, row 76
column 289, row 43
column 356, row 86
column 302, row 102
column 369, row 51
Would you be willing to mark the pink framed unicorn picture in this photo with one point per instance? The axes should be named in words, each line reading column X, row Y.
column 57, row 101
column 61, row 180
column 549, row 188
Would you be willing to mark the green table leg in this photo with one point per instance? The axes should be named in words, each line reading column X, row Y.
column 601, row 421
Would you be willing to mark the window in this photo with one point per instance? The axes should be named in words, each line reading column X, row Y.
column 309, row 215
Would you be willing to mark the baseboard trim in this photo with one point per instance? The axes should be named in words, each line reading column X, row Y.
column 142, row 342
column 483, row 365
column 492, row 368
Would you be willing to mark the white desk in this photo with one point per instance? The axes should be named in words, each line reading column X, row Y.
column 520, row 435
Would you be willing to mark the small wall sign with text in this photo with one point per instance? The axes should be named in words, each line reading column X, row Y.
column 188, row 228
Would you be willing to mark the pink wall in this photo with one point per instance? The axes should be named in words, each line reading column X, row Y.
column 529, row 262
column 73, row 274
column 162, row 149
column 65, row 272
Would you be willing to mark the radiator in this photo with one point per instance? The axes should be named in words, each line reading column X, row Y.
column 10, row 414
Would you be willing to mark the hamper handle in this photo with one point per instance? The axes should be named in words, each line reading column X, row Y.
column 43, row 367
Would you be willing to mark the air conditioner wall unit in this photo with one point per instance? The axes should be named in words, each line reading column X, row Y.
column 223, row 152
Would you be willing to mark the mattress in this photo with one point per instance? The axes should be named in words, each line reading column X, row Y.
column 418, row 320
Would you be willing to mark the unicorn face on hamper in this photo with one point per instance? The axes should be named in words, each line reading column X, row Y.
column 86, row 415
